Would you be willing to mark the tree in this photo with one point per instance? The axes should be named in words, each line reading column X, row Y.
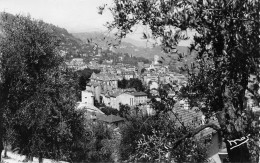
column 143, row 70
column 100, row 147
column 132, row 83
column 8, row 132
column 24, row 61
column 109, row 111
column 84, row 76
column 124, row 110
column 135, row 83
column 148, row 139
column 122, row 83
column 38, row 92
column 227, row 47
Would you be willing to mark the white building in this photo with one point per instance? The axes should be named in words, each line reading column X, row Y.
column 128, row 75
column 87, row 97
column 132, row 99
column 87, row 104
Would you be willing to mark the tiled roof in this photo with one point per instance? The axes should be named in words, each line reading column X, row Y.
column 208, row 131
column 130, row 90
column 115, row 94
column 109, row 118
column 186, row 117
column 95, row 84
column 104, row 76
column 136, row 94
column 191, row 118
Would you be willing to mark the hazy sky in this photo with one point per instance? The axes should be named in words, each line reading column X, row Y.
column 74, row 15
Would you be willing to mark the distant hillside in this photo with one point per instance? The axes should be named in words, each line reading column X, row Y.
column 173, row 60
column 70, row 46
column 97, row 46
column 106, row 41
column 126, row 46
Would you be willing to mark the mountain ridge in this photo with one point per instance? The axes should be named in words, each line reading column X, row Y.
column 96, row 46
column 126, row 45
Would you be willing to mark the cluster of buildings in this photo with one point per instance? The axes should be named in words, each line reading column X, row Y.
column 103, row 88
column 104, row 85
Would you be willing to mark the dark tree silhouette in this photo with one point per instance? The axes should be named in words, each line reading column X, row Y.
column 38, row 92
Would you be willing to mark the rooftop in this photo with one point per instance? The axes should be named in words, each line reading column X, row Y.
column 191, row 118
column 136, row 94
column 104, row 76
column 109, row 118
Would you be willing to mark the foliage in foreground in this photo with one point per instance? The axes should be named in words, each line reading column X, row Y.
column 38, row 92
column 149, row 139
column 227, row 48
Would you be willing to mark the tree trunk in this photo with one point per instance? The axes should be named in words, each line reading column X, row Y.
column 239, row 154
column 40, row 158
column 232, row 123
column 236, row 155
column 5, row 153
column 1, row 133
column 31, row 158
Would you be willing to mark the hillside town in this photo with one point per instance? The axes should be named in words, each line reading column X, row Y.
column 159, row 81
column 103, row 88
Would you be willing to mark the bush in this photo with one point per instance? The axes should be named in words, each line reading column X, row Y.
column 149, row 139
